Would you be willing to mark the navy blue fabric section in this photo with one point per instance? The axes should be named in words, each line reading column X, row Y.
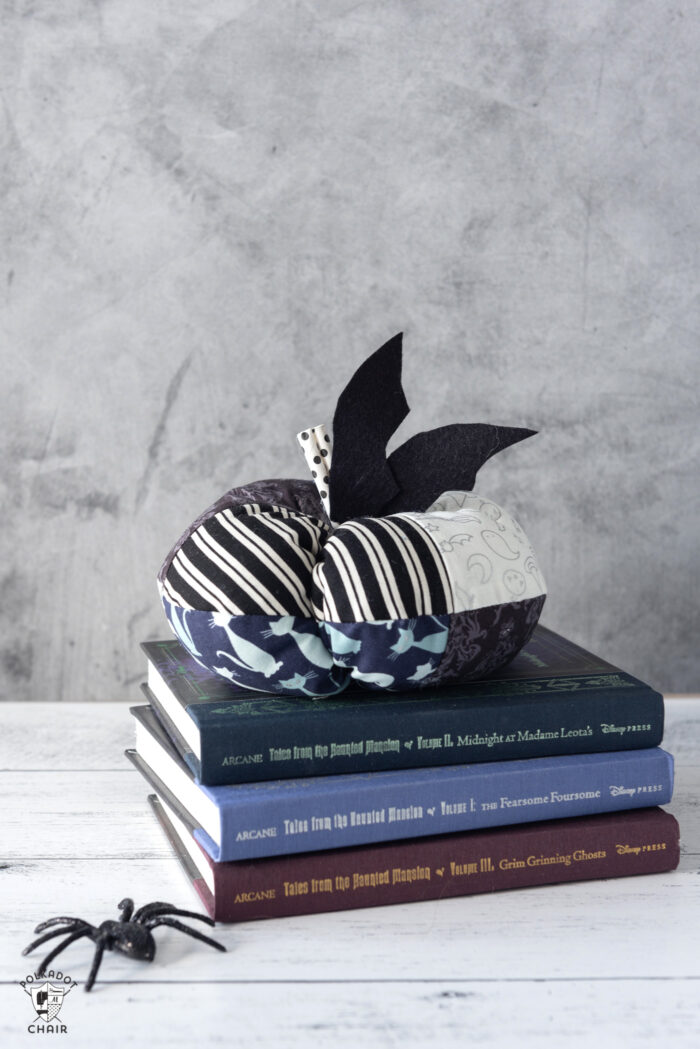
column 284, row 655
column 296, row 656
column 391, row 654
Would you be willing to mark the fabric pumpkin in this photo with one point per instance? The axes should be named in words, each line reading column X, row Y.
column 265, row 591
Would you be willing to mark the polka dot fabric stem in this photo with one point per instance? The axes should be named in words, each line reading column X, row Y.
column 315, row 443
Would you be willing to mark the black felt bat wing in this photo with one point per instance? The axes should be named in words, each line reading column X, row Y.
column 364, row 482
column 370, row 409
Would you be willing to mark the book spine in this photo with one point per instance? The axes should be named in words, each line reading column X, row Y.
column 457, row 865
column 334, row 812
column 585, row 714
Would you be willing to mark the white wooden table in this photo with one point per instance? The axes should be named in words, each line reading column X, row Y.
column 613, row 963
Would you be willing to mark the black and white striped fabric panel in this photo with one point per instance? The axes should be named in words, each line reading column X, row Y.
column 380, row 568
column 251, row 560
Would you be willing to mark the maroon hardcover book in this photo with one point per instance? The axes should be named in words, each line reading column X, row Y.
column 641, row 841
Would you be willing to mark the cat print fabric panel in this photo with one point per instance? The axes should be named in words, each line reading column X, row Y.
column 277, row 654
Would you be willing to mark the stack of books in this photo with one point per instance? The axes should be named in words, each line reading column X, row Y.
column 549, row 771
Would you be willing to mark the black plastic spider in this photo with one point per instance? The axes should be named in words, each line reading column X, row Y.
column 131, row 935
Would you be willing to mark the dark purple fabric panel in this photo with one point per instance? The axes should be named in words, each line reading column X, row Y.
column 295, row 495
column 483, row 641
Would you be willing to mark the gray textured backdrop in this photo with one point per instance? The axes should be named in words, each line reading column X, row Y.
column 212, row 212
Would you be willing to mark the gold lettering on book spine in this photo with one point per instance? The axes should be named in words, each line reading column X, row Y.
column 650, row 846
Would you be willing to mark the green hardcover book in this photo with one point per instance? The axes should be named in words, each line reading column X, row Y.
column 553, row 698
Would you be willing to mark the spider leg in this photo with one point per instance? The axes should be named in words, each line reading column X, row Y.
column 55, row 921
column 150, row 910
column 47, row 936
column 159, row 906
column 154, row 922
column 99, row 951
column 127, row 909
column 61, row 947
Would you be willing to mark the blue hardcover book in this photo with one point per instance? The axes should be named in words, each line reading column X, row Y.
column 246, row 821
column 553, row 698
